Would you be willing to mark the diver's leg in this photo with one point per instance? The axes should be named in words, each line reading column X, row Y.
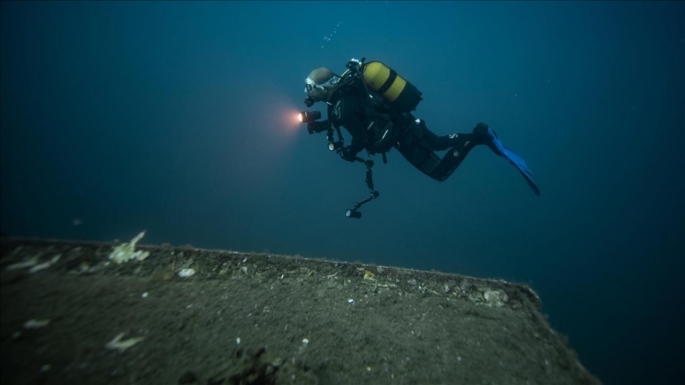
column 419, row 155
column 459, row 146
column 418, row 144
column 441, row 143
column 453, row 158
column 423, row 158
column 416, row 148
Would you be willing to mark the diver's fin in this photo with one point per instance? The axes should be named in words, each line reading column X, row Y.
column 498, row 148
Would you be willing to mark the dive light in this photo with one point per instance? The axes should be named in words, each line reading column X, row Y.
column 353, row 214
column 309, row 116
column 334, row 146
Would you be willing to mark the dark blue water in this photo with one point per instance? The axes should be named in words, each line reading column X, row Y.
column 177, row 118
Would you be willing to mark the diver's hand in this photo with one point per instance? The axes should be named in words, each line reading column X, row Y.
column 347, row 154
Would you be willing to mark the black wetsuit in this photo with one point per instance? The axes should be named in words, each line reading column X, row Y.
column 378, row 129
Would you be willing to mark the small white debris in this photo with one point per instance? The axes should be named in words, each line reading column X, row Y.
column 22, row 265
column 244, row 259
column 126, row 251
column 185, row 273
column 144, row 295
column 237, row 341
column 45, row 265
column 495, row 298
column 282, row 275
column 459, row 358
column 305, row 341
column 35, row 323
column 118, row 344
column 350, row 301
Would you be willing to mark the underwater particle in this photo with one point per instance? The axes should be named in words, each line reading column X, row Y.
column 368, row 274
column 118, row 344
column 237, row 341
column 305, row 342
column 45, row 265
column 44, row 368
column 21, row 265
column 35, row 323
column 185, row 273
column 350, row 301
column 76, row 221
column 144, row 295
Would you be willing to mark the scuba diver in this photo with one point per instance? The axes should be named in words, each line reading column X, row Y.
column 373, row 103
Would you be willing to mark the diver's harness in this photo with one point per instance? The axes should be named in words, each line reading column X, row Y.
column 354, row 67
column 351, row 78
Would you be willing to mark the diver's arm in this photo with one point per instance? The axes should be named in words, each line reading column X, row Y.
column 350, row 112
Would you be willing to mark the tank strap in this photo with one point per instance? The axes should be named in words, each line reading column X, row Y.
column 388, row 82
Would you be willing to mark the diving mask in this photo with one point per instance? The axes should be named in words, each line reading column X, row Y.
column 310, row 84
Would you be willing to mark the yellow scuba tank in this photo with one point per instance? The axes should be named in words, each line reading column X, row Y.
column 398, row 92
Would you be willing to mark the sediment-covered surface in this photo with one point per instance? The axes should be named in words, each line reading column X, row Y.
column 69, row 315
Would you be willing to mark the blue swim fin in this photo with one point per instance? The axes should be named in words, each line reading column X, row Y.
column 498, row 148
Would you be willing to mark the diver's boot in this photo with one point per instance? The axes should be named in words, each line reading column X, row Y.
column 482, row 134
column 461, row 144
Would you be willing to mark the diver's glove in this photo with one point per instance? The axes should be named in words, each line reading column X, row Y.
column 348, row 154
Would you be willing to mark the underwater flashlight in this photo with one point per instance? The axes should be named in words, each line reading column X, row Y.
column 332, row 146
column 353, row 214
column 309, row 116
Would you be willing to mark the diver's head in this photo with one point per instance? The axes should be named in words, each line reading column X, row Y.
column 319, row 83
